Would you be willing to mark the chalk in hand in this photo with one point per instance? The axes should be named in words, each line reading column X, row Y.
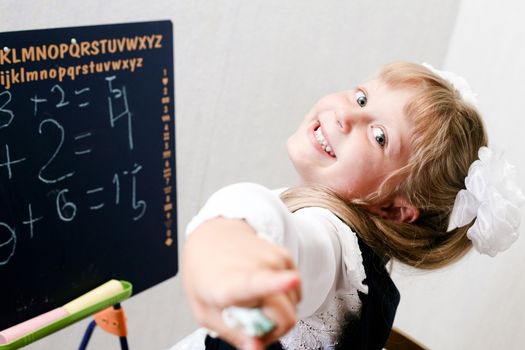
column 252, row 321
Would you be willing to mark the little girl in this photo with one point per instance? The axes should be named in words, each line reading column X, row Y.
column 396, row 168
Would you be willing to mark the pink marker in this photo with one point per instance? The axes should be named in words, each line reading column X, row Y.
column 18, row 331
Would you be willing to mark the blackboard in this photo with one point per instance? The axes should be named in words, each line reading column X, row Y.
column 87, row 163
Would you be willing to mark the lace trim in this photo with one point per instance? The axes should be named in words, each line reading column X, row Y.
column 323, row 329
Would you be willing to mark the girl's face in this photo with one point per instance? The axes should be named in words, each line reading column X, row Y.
column 351, row 141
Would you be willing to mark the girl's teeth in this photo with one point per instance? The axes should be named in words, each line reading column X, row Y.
column 324, row 144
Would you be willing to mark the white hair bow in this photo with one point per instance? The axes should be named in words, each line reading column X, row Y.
column 493, row 198
column 459, row 83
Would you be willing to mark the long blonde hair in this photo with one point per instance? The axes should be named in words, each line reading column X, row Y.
column 447, row 135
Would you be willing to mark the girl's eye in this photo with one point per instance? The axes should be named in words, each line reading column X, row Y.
column 379, row 135
column 360, row 98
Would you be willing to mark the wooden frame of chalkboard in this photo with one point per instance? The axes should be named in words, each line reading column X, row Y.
column 87, row 163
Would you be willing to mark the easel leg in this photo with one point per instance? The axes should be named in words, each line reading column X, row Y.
column 112, row 320
column 87, row 335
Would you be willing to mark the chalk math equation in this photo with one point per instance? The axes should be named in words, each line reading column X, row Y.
column 51, row 150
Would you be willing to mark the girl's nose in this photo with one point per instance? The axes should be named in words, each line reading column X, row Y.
column 348, row 118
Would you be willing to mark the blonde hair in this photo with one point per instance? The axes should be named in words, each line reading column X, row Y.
column 446, row 137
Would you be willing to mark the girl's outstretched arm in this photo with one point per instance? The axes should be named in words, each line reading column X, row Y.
column 246, row 248
column 225, row 263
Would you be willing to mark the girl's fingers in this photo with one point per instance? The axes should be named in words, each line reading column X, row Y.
column 247, row 291
column 294, row 295
column 253, row 344
column 280, row 309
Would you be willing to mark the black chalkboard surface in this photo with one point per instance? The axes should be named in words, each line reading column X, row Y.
column 87, row 163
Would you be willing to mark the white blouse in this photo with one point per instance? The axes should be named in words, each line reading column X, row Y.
column 324, row 249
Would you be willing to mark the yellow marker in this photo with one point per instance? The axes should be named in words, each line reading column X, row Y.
column 95, row 296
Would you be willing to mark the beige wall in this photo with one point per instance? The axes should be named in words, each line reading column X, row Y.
column 246, row 73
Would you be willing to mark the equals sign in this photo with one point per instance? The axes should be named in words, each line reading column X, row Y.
column 80, row 137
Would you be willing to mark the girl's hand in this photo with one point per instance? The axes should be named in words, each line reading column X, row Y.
column 223, row 264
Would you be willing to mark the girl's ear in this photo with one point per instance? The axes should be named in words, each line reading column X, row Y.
column 397, row 209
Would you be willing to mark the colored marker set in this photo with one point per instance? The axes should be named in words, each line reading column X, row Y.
column 99, row 298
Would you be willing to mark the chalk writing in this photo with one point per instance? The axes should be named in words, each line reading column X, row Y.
column 95, row 190
column 11, row 241
column 60, row 143
column 62, row 102
column 115, row 95
column 116, row 181
column 8, row 161
column 37, row 100
column 31, row 221
column 140, row 204
column 86, row 150
column 79, row 92
column 66, row 210
column 6, row 115
column 57, row 143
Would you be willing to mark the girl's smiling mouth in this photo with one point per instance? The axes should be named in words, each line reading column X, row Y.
column 322, row 143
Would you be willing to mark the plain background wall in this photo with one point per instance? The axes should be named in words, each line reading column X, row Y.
column 247, row 72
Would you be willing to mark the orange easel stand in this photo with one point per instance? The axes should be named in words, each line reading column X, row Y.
column 112, row 321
